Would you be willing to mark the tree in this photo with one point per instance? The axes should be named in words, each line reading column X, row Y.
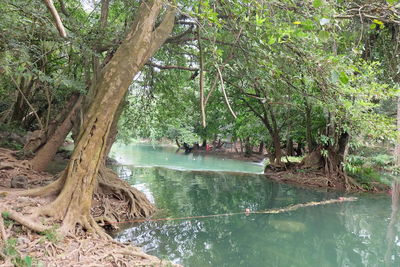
column 76, row 185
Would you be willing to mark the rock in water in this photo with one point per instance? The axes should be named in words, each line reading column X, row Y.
column 19, row 182
column 288, row 226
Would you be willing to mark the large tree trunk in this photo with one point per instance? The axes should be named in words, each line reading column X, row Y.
column 47, row 152
column 111, row 186
column 397, row 149
column 73, row 203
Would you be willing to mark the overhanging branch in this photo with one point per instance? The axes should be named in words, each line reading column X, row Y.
column 169, row 67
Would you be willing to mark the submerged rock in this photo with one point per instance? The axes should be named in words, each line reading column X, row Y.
column 288, row 226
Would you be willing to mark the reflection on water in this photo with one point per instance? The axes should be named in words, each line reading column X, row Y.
column 142, row 155
column 345, row 234
column 392, row 237
column 361, row 233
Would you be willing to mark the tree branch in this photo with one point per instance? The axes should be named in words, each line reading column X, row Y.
column 169, row 67
column 54, row 13
column 225, row 96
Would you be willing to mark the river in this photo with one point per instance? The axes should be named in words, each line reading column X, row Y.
column 360, row 233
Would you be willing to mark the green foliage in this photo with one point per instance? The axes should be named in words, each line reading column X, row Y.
column 51, row 234
column 291, row 71
column 11, row 145
column 11, row 251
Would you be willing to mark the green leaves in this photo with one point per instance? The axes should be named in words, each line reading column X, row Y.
column 317, row 3
column 323, row 35
column 343, row 77
column 392, row 2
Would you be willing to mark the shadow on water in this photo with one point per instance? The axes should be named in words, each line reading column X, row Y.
column 361, row 233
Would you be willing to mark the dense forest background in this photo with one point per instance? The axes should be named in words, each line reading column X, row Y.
column 306, row 75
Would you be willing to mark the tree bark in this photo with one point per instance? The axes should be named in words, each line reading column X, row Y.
column 104, row 13
column 261, row 147
column 47, row 152
column 201, row 78
column 60, row 27
column 73, row 203
column 397, row 149
column 310, row 141
column 289, row 147
column 177, row 143
column 277, row 149
column 247, row 147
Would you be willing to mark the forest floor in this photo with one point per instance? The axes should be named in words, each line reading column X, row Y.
column 20, row 246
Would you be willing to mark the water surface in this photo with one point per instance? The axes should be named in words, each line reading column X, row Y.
column 360, row 233
column 146, row 155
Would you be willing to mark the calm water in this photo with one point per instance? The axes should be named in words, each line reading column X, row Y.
column 144, row 155
column 361, row 233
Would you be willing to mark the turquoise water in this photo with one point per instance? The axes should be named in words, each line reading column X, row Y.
column 361, row 233
column 145, row 155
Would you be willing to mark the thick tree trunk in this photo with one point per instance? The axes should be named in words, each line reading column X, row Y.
column 73, row 203
column 47, row 152
column 397, row 149
column 111, row 186
column 277, row 149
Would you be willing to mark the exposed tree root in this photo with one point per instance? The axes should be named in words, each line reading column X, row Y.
column 11, row 167
column 3, row 233
column 114, row 200
column 80, row 248
column 128, row 202
column 50, row 189
column 25, row 221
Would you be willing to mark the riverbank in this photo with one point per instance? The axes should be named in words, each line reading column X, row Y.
column 294, row 172
column 22, row 246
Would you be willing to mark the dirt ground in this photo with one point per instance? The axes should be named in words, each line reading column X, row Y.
column 21, row 246
column 317, row 179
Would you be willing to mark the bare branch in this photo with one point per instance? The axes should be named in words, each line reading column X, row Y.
column 225, row 96
column 54, row 13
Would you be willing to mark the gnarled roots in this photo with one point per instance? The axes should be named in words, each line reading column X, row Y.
column 113, row 200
